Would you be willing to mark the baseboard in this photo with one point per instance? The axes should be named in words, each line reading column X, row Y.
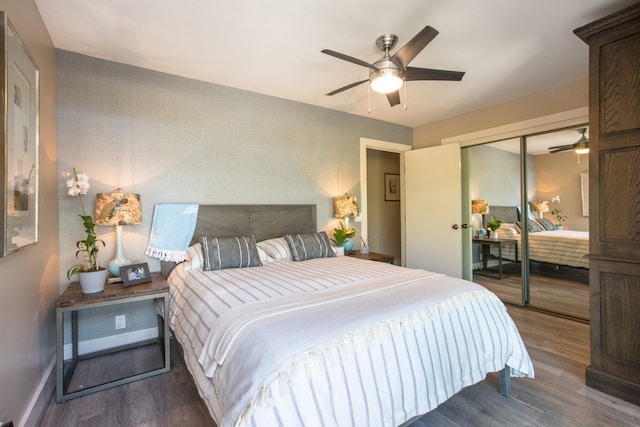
column 111, row 341
column 40, row 398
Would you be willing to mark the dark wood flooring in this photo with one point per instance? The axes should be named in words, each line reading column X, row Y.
column 557, row 396
column 561, row 296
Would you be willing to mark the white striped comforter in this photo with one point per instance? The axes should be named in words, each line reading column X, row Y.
column 562, row 247
column 382, row 371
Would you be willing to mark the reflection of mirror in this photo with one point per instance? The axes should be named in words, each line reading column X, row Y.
column 584, row 188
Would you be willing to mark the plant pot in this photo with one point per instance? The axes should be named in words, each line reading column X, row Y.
column 339, row 251
column 559, row 227
column 93, row 281
column 494, row 235
column 347, row 245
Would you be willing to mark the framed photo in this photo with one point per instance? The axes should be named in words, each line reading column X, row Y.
column 391, row 187
column 135, row 274
column 19, row 156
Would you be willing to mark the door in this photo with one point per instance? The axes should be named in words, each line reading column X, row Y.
column 432, row 209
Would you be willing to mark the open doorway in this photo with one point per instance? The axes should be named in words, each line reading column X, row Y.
column 381, row 224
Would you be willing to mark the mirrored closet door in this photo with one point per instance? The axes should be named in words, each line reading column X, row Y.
column 538, row 257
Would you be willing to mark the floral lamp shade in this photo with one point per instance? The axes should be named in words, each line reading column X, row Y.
column 541, row 206
column 118, row 208
column 345, row 206
column 480, row 206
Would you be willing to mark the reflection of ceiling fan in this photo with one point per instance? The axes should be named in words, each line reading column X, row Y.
column 388, row 73
column 581, row 146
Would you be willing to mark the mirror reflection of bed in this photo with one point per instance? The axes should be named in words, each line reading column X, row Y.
column 558, row 262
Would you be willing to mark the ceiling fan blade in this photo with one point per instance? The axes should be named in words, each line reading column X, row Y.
column 559, row 148
column 413, row 73
column 393, row 98
column 347, row 58
column 414, row 46
column 347, row 87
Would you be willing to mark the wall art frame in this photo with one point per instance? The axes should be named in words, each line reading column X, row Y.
column 20, row 153
column 391, row 187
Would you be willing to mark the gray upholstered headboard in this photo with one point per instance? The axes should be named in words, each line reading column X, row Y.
column 261, row 221
column 503, row 213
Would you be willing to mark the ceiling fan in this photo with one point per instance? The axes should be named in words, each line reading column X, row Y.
column 581, row 146
column 388, row 74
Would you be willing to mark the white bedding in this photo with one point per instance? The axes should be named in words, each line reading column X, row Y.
column 562, row 247
column 360, row 351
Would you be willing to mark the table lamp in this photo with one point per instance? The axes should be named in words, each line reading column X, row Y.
column 344, row 207
column 117, row 209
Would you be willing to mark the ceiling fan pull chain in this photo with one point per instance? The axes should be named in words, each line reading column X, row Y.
column 405, row 94
column 369, row 98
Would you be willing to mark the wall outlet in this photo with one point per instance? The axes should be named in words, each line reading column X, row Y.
column 121, row 321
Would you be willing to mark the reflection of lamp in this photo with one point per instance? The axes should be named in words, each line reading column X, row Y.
column 480, row 206
column 344, row 207
column 117, row 209
column 541, row 206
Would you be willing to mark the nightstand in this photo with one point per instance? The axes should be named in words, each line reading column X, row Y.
column 486, row 245
column 372, row 256
column 73, row 300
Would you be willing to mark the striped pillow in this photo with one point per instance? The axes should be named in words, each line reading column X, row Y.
column 309, row 246
column 276, row 248
column 229, row 252
column 546, row 224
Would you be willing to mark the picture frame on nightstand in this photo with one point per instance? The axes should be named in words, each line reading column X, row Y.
column 135, row 274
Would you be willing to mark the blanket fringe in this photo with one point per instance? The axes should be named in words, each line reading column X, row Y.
column 166, row 255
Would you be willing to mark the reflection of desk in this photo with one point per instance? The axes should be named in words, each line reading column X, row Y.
column 486, row 245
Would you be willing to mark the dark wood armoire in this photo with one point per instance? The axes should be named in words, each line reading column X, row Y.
column 614, row 193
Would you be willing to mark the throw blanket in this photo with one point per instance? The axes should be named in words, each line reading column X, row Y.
column 171, row 230
column 264, row 342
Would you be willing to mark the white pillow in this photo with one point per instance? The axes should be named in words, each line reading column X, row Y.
column 194, row 259
column 507, row 232
column 509, row 226
column 264, row 257
column 277, row 248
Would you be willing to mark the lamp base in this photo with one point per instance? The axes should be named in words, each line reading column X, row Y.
column 115, row 264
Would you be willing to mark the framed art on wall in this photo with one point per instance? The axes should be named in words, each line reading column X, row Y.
column 391, row 187
column 19, row 157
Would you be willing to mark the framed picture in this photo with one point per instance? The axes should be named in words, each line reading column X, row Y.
column 391, row 187
column 135, row 274
column 19, row 156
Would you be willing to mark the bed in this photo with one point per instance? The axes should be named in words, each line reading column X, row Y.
column 328, row 340
column 555, row 253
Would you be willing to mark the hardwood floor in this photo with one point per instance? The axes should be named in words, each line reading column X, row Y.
column 560, row 296
column 557, row 396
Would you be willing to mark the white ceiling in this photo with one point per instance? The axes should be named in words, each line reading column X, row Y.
column 508, row 48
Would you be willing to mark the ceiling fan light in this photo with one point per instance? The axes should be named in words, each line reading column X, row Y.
column 582, row 150
column 386, row 80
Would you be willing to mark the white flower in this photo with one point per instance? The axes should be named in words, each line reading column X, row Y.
column 77, row 183
column 555, row 199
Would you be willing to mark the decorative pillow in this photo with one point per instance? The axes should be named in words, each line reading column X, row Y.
column 229, row 252
column 276, row 248
column 534, row 227
column 546, row 224
column 309, row 246
column 531, row 225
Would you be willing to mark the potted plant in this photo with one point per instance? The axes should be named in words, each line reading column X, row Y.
column 493, row 225
column 557, row 213
column 342, row 236
column 92, row 277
